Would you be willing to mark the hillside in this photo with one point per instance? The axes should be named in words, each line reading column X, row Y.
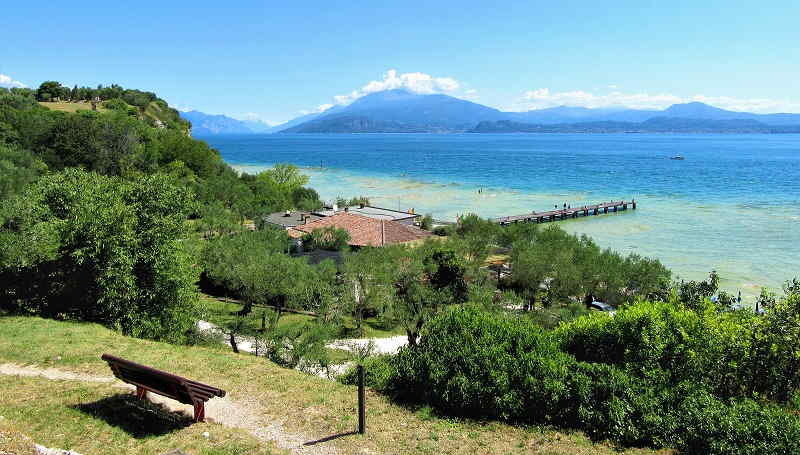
column 156, row 114
column 92, row 417
column 141, row 104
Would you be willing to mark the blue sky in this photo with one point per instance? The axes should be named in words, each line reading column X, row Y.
column 274, row 60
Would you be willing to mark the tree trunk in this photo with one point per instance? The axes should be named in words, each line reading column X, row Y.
column 246, row 309
column 412, row 338
column 232, row 340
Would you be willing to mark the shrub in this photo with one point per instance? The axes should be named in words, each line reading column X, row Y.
column 328, row 238
column 377, row 371
column 475, row 363
column 662, row 341
column 81, row 245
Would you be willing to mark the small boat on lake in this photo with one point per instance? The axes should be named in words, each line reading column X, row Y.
column 677, row 157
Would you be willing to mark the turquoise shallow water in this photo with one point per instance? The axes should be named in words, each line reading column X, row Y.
column 732, row 205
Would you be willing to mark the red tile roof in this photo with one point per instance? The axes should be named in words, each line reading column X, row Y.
column 364, row 231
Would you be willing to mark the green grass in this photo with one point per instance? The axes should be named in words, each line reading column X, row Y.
column 54, row 413
column 221, row 312
column 70, row 107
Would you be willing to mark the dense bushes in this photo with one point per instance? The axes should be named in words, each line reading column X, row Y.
column 668, row 343
column 550, row 265
column 473, row 363
column 733, row 353
column 377, row 372
column 78, row 244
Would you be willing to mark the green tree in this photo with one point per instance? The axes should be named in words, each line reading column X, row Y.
column 77, row 244
column 48, row 91
column 369, row 277
column 328, row 238
column 18, row 168
column 426, row 222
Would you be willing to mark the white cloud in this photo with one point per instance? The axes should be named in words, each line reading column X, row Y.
column 8, row 82
column 543, row 98
column 318, row 109
column 416, row 82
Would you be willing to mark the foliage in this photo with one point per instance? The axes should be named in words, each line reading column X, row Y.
column 301, row 345
column 77, row 244
column 117, row 104
column 328, row 238
column 18, row 168
column 673, row 344
column 426, row 222
column 475, row 363
column 368, row 276
column 550, row 266
column 377, row 371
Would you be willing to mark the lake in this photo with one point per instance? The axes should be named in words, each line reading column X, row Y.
column 732, row 205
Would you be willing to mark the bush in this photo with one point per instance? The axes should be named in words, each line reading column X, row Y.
column 328, row 238
column 377, row 371
column 80, row 245
column 474, row 363
column 443, row 231
column 672, row 343
column 118, row 105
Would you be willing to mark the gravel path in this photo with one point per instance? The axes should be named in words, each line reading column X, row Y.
column 388, row 345
column 244, row 414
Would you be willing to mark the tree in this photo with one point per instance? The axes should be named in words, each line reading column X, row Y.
column 18, row 168
column 97, row 248
column 328, row 238
column 427, row 278
column 369, row 274
column 426, row 222
column 48, row 91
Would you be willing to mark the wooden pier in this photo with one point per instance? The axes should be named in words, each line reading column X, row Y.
column 571, row 212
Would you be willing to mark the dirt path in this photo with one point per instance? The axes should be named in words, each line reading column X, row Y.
column 243, row 414
column 389, row 345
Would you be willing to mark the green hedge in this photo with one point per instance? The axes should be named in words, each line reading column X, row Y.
column 377, row 371
column 477, row 364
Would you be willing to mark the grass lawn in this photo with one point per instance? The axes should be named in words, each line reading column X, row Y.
column 219, row 312
column 70, row 107
column 54, row 413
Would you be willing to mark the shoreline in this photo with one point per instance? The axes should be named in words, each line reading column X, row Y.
column 691, row 245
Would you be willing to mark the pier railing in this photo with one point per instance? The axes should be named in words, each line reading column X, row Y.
column 566, row 213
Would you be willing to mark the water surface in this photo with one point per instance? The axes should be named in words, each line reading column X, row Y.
column 732, row 205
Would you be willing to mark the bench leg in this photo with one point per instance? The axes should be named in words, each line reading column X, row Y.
column 141, row 392
column 200, row 412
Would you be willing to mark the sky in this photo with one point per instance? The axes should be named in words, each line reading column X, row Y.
column 273, row 61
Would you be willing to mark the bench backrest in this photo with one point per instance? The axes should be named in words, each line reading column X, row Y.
column 167, row 384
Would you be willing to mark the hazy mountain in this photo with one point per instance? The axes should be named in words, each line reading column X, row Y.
column 257, row 126
column 347, row 123
column 698, row 110
column 569, row 114
column 402, row 110
column 206, row 124
column 652, row 125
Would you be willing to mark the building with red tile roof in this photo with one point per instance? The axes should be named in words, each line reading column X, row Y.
column 364, row 231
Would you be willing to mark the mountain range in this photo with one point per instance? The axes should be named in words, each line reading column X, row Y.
column 209, row 124
column 401, row 111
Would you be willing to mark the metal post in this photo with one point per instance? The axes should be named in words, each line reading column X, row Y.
column 361, row 414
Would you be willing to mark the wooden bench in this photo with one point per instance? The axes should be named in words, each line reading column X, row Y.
column 160, row 382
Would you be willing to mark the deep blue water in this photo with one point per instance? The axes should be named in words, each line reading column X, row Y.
column 732, row 205
column 757, row 170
